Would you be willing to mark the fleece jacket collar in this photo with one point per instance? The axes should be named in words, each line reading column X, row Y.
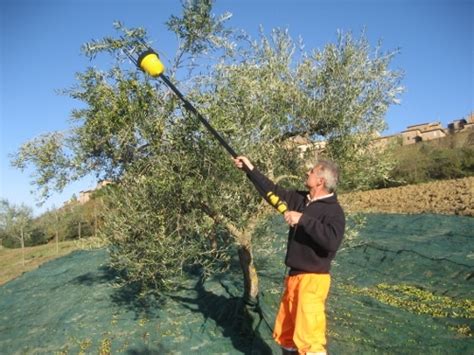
column 330, row 198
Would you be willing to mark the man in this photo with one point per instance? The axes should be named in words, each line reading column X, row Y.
column 317, row 225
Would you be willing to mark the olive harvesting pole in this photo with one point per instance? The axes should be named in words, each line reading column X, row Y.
column 149, row 62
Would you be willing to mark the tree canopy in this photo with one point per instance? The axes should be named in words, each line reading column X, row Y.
column 178, row 201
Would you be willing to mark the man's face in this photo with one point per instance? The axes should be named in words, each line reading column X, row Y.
column 313, row 180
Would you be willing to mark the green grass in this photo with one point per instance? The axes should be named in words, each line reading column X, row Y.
column 11, row 264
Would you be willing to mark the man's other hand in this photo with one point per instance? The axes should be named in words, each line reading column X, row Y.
column 292, row 217
column 241, row 160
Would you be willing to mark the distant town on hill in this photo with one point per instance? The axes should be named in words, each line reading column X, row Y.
column 429, row 131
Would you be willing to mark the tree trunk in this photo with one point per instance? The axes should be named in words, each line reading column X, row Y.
column 244, row 242
column 22, row 240
column 95, row 220
column 57, row 233
column 246, row 264
column 57, row 242
column 250, row 275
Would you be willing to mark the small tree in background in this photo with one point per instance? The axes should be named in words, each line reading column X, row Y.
column 178, row 201
column 16, row 223
column 50, row 223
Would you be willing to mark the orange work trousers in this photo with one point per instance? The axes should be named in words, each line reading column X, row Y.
column 301, row 320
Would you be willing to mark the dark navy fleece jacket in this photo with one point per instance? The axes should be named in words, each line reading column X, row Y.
column 319, row 232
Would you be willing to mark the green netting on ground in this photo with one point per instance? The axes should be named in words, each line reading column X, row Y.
column 405, row 288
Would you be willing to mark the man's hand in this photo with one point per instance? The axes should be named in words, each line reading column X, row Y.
column 292, row 217
column 241, row 160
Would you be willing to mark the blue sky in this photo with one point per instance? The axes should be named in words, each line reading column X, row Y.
column 41, row 40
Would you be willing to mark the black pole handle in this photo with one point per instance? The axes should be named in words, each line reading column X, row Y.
column 191, row 108
column 221, row 140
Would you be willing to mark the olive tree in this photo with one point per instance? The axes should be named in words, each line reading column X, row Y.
column 16, row 223
column 178, row 202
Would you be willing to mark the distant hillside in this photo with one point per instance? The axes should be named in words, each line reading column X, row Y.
column 450, row 157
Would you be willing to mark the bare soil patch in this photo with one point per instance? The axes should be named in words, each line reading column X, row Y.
column 450, row 197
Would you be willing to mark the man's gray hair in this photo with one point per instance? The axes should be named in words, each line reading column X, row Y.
column 330, row 172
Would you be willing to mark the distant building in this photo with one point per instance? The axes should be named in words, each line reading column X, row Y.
column 305, row 145
column 412, row 134
column 469, row 122
column 434, row 133
column 422, row 132
column 85, row 196
column 456, row 126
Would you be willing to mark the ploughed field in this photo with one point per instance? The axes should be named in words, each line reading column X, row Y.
column 453, row 197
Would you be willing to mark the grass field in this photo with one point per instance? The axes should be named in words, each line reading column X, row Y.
column 11, row 264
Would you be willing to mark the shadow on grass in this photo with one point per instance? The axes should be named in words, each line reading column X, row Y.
column 145, row 350
column 239, row 322
column 127, row 296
